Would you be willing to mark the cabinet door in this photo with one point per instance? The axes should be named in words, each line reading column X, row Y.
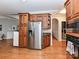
column 75, row 6
column 33, row 17
column 68, row 9
column 43, row 42
column 45, row 22
column 39, row 17
column 23, row 30
column 44, row 19
column 46, row 41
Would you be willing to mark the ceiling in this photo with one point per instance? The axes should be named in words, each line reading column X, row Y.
column 8, row 7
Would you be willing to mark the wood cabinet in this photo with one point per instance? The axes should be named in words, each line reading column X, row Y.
column 72, row 14
column 46, row 40
column 23, row 29
column 76, row 8
column 44, row 18
column 68, row 8
column 72, row 9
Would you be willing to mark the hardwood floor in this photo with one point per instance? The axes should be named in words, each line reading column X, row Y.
column 57, row 51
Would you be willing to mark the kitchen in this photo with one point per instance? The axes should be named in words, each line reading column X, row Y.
column 32, row 29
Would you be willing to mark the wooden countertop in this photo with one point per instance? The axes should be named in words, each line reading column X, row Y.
column 73, row 34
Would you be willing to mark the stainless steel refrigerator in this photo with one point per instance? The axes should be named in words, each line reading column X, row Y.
column 35, row 35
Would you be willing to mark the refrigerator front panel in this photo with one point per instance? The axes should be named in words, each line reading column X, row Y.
column 36, row 35
column 37, row 31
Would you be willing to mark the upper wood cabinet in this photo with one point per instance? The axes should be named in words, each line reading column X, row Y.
column 33, row 17
column 75, row 7
column 44, row 18
column 68, row 9
column 72, row 9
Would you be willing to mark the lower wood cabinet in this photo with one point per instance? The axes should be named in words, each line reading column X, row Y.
column 46, row 40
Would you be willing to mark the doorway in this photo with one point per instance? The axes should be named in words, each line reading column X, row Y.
column 55, row 28
column 64, row 30
column 8, row 26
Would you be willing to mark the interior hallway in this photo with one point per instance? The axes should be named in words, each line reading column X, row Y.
column 57, row 51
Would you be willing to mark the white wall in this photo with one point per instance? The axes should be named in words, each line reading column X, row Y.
column 60, row 17
column 7, row 25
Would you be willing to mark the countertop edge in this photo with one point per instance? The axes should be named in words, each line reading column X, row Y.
column 73, row 34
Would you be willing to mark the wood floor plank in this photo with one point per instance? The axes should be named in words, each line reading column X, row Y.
column 57, row 51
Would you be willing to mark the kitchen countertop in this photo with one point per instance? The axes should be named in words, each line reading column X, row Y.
column 47, row 31
column 73, row 34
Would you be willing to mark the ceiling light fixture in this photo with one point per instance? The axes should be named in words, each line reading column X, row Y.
column 23, row 0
